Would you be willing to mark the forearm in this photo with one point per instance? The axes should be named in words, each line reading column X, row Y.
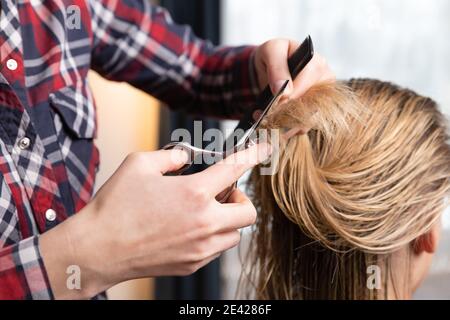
column 226, row 85
column 222, row 84
column 169, row 62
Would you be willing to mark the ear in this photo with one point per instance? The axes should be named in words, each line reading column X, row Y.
column 428, row 242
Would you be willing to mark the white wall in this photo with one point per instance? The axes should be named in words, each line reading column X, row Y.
column 405, row 41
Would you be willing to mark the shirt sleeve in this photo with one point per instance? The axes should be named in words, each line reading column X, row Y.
column 22, row 272
column 137, row 42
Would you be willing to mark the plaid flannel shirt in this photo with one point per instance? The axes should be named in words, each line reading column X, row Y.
column 48, row 159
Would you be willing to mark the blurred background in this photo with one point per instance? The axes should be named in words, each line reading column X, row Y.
column 403, row 41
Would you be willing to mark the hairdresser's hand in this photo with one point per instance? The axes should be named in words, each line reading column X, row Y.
column 144, row 224
column 272, row 68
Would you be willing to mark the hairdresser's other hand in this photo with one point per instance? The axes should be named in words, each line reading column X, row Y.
column 272, row 68
column 144, row 224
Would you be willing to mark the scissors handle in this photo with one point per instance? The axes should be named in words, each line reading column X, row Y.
column 193, row 153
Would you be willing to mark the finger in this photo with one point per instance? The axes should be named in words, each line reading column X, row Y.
column 207, row 261
column 312, row 74
column 328, row 76
column 309, row 76
column 237, row 197
column 223, row 241
column 164, row 161
column 228, row 240
column 189, row 268
column 276, row 56
column 238, row 213
column 229, row 170
column 216, row 245
column 289, row 134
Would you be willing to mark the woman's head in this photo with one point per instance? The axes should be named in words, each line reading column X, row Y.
column 360, row 193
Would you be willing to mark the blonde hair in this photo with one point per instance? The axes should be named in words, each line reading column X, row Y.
column 368, row 178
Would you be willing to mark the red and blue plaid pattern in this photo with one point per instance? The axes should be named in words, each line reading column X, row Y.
column 45, row 97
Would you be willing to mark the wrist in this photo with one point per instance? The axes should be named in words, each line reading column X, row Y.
column 71, row 259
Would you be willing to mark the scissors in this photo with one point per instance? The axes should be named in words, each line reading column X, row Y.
column 247, row 127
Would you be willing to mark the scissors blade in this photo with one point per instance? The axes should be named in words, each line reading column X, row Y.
column 269, row 106
column 255, row 126
column 231, row 142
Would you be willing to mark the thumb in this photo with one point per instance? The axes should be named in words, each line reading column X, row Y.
column 165, row 161
column 277, row 66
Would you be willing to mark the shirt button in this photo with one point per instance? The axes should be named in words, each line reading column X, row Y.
column 24, row 143
column 11, row 64
column 50, row 215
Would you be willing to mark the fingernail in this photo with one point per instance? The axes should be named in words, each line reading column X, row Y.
column 276, row 86
column 180, row 156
